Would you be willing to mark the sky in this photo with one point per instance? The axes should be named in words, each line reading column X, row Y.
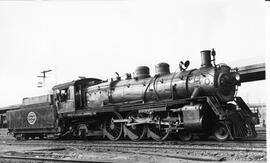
column 96, row 38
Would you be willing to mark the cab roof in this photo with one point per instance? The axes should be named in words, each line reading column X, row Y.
column 76, row 82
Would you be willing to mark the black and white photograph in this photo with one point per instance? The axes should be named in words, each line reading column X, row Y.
column 134, row 81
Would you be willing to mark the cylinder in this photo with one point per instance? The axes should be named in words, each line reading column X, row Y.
column 142, row 72
column 206, row 58
column 162, row 69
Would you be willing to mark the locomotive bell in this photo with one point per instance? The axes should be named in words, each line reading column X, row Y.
column 206, row 58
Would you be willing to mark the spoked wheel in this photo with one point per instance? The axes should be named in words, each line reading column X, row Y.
column 135, row 132
column 221, row 132
column 113, row 131
column 159, row 131
column 185, row 135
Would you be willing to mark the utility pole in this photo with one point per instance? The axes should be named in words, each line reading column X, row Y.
column 43, row 76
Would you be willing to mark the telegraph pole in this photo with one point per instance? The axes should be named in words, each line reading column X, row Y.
column 43, row 76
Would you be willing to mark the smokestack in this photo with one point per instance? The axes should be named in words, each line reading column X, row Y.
column 206, row 58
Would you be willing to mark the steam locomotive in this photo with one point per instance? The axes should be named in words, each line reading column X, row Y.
column 200, row 102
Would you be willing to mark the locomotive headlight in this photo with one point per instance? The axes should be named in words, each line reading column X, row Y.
column 237, row 77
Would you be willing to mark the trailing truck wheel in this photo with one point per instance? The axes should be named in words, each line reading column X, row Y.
column 221, row 132
column 135, row 132
column 113, row 131
column 185, row 135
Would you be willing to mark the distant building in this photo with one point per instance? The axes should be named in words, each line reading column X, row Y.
column 261, row 108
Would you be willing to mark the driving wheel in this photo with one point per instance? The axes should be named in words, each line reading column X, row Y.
column 135, row 132
column 112, row 130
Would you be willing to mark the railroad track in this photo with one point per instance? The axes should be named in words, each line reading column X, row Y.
column 169, row 149
column 169, row 142
column 53, row 160
column 47, row 160
column 147, row 153
column 146, row 145
column 246, row 143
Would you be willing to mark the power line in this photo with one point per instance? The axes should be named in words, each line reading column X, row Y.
column 43, row 76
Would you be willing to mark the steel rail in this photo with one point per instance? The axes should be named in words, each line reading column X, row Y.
column 47, row 159
column 249, row 141
column 146, row 146
column 193, row 142
column 184, row 148
column 177, row 156
column 133, row 149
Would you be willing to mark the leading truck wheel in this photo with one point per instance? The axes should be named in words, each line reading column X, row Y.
column 221, row 132
column 112, row 130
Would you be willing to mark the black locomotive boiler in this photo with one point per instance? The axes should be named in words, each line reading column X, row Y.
column 200, row 102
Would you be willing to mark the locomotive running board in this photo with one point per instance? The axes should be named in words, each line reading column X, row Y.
column 138, row 121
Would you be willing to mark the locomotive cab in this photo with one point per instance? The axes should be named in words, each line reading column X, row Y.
column 71, row 96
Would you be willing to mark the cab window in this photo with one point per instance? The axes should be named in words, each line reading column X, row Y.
column 63, row 95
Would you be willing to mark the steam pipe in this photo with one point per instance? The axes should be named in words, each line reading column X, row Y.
column 195, row 92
